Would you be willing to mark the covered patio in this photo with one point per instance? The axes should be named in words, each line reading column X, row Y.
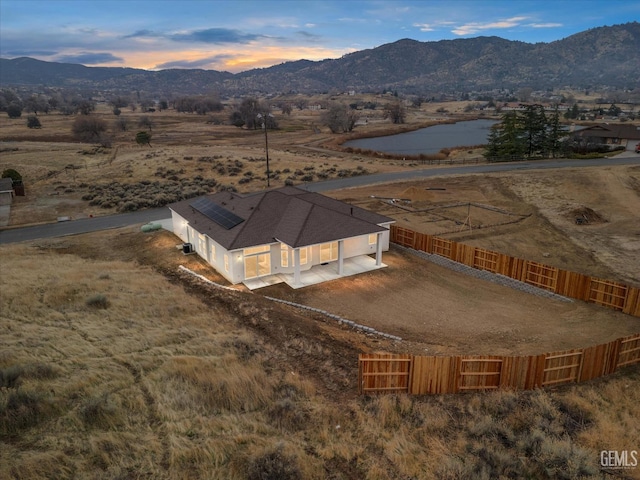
column 318, row 273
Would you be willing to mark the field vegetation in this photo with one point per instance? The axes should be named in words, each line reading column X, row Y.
column 115, row 366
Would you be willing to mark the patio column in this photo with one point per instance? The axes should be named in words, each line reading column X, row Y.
column 296, row 266
column 340, row 257
column 379, row 249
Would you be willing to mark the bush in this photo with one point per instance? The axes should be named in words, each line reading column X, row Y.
column 98, row 301
column 33, row 122
column 274, row 465
column 14, row 110
column 22, row 410
column 9, row 376
column 100, row 412
column 88, row 128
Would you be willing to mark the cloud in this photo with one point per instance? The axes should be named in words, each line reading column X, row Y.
column 308, row 35
column 475, row 27
column 88, row 58
column 424, row 27
column 142, row 33
column 545, row 25
column 215, row 35
column 29, row 53
column 190, row 64
column 209, row 36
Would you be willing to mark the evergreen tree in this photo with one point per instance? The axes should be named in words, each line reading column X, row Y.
column 534, row 124
column 511, row 140
column 555, row 134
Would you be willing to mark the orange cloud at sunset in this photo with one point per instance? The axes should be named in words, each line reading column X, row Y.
column 233, row 59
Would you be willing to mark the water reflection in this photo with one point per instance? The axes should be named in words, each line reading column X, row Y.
column 430, row 139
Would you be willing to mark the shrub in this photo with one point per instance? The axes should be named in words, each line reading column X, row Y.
column 98, row 301
column 9, row 376
column 129, row 206
column 274, row 465
column 23, row 409
column 99, row 412
column 89, row 128
column 33, row 122
column 287, row 415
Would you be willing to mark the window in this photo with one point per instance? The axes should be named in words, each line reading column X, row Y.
column 257, row 265
column 303, row 256
column 254, row 250
column 226, row 263
column 328, row 251
column 212, row 252
column 373, row 239
column 284, row 256
column 202, row 244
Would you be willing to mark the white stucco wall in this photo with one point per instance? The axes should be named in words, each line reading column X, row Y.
column 233, row 268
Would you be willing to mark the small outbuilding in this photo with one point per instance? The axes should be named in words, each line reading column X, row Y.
column 6, row 191
column 283, row 235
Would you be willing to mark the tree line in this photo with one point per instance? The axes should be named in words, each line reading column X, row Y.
column 531, row 133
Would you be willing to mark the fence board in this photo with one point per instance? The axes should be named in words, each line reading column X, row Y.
column 594, row 362
column 629, row 352
column 562, row 367
column 479, row 373
column 442, row 247
column 632, row 304
column 607, row 293
column 378, row 373
column 573, row 285
column 540, row 275
column 433, row 375
column 485, row 260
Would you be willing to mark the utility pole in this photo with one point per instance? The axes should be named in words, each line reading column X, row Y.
column 263, row 118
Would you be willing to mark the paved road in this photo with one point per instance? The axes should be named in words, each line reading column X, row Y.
column 627, row 158
column 114, row 221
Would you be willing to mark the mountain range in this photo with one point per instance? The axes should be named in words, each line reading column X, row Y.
column 606, row 56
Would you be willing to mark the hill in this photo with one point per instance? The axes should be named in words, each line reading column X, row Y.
column 601, row 57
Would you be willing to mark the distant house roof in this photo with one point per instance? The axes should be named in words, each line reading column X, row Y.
column 289, row 215
column 607, row 130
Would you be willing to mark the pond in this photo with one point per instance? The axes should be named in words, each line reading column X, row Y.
column 429, row 140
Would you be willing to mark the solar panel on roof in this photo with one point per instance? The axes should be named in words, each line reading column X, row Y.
column 215, row 212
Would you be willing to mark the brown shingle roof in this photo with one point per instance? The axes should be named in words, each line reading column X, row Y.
column 290, row 215
column 614, row 130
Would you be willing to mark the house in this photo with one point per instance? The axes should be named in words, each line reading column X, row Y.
column 6, row 191
column 615, row 135
column 287, row 234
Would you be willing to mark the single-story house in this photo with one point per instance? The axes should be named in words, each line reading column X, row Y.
column 286, row 232
column 615, row 135
column 6, row 191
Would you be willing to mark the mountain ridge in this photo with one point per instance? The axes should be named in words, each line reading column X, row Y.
column 606, row 56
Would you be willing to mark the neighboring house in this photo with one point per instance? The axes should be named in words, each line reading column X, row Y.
column 615, row 135
column 284, row 232
column 6, row 191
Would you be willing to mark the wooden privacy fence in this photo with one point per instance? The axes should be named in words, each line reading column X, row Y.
column 422, row 375
column 563, row 282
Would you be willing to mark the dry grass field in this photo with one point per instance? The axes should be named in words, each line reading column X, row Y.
column 115, row 365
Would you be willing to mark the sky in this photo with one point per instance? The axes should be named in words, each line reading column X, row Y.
column 238, row 35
